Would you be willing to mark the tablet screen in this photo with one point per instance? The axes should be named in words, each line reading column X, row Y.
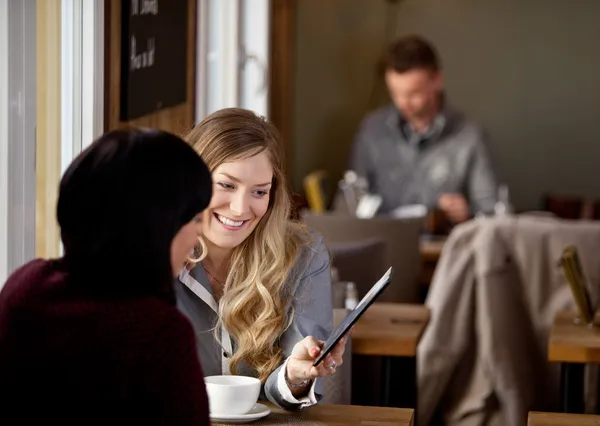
column 354, row 315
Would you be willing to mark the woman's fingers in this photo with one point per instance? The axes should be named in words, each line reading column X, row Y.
column 313, row 346
column 309, row 349
column 338, row 351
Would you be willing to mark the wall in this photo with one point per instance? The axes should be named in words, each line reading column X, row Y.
column 526, row 70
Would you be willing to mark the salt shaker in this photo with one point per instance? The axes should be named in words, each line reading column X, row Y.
column 503, row 206
column 351, row 296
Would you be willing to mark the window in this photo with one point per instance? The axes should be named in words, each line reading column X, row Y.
column 17, row 134
column 233, row 48
column 82, row 72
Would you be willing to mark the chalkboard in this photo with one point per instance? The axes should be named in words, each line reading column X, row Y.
column 153, row 56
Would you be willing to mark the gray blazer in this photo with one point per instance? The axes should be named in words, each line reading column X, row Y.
column 313, row 316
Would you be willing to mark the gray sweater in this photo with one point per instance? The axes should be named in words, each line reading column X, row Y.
column 313, row 315
column 407, row 168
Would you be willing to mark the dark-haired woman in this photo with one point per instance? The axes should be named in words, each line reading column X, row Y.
column 94, row 337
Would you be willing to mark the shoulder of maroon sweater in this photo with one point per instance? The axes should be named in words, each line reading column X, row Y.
column 156, row 310
column 35, row 278
column 152, row 314
column 24, row 278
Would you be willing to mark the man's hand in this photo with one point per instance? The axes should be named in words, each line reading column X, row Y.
column 455, row 206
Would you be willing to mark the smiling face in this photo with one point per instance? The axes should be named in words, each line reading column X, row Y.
column 240, row 199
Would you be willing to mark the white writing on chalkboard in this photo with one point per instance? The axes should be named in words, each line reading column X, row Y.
column 142, row 59
column 148, row 7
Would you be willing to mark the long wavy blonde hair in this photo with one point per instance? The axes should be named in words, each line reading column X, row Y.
column 253, row 306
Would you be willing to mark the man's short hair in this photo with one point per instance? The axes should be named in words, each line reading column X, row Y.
column 411, row 53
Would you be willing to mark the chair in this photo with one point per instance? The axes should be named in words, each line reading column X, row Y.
column 401, row 237
column 315, row 184
column 572, row 207
column 338, row 387
column 362, row 262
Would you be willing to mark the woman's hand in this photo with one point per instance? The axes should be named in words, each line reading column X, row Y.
column 300, row 365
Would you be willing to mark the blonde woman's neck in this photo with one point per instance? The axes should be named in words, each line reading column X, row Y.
column 217, row 259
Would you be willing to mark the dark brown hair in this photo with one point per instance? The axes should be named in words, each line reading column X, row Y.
column 410, row 53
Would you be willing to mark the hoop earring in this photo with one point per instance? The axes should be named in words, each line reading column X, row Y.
column 199, row 252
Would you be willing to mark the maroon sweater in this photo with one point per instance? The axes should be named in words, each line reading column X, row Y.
column 68, row 358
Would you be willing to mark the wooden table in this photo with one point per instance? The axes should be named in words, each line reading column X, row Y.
column 561, row 419
column 337, row 415
column 392, row 330
column 573, row 344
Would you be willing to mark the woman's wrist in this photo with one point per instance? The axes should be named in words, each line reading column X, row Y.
column 295, row 384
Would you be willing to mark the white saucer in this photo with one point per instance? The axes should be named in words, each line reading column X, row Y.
column 259, row 411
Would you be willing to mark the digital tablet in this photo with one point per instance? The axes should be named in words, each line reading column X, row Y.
column 354, row 315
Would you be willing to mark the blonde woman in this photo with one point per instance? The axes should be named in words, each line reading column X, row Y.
column 259, row 292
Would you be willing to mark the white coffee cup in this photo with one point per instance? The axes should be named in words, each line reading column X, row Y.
column 231, row 394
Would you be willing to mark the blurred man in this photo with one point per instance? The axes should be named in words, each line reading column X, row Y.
column 420, row 149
